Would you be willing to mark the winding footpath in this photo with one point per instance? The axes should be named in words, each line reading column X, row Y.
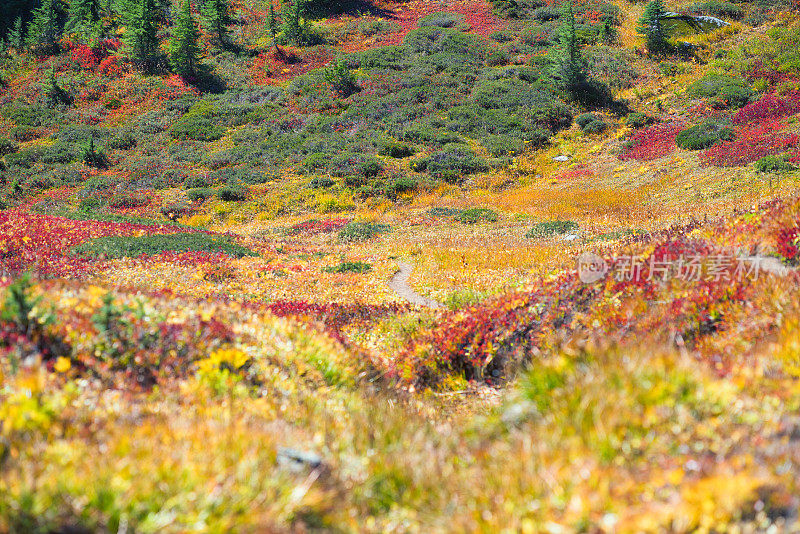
column 399, row 284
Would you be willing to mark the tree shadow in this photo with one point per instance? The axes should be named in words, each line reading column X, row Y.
column 350, row 7
column 207, row 81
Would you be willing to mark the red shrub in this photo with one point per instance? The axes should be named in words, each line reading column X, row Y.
column 787, row 241
column 769, row 107
column 751, row 144
column 110, row 66
column 653, row 142
column 84, row 57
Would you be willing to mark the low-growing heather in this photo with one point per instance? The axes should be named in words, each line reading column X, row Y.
column 362, row 231
column 704, row 135
column 476, row 215
column 113, row 247
column 551, row 228
column 349, row 267
column 723, row 90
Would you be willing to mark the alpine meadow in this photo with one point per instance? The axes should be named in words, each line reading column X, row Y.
column 389, row 266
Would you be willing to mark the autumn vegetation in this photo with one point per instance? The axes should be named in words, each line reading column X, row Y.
column 203, row 203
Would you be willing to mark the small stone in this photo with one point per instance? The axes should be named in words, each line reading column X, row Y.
column 561, row 158
column 297, row 460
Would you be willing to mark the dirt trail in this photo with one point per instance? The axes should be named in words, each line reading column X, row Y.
column 399, row 284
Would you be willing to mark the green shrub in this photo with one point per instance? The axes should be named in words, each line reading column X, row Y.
column 368, row 28
column 551, row 228
column 497, row 57
column 671, row 68
column 725, row 91
column 233, row 193
column 197, row 181
column 90, row 204
column 321, row 182
column 7, row 146
column 502, row 36
column 439, row 211
column 638, row 120
column 196, row 128
column 612, row 65
column 433, row 39
column 48, row 154
column 717, row 8
column 341, row 79
column 200, row 194
column 594, row 127
column 123, row 140
column 774, row 164
column 362, row 231
column 546, row 13
column 349, row 267
column 395, row 149
column 131, row 247
column 238, row 175
column 454, row 161
column 476, row 215
column 24, row 133
column 704, row 135
column 404, row 184
column 501, row 145
column 127, row 200
column 382, row 57
column 441, row 19
column 586, row 118
column 349, row 164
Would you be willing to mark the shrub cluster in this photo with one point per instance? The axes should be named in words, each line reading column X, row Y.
column 551, row 228
column 704, row 135
column 724, row 91
column 132, row 247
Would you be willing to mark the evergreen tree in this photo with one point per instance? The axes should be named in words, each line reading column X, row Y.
column 292, row 20
column 84, row 19
column 16, row 38
column 183, row 49
column 43, row 31
column 569, row 67
column 214, row 20
column 651, row 27
column 140, row 44
column 272, row 22
column 53, row 93
column 82, row 14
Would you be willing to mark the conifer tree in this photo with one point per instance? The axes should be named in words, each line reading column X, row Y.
column 140, row 40
column 651, row 27
column 43, row 31
column 568, row 64
column 183, row 49
column 272, row 21
column 215, row 19
column 53, row 93
column 83, row 15
column 292, row 17
column 16, row 38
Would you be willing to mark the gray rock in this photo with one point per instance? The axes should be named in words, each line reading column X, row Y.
column 561, row 158
column 296, row 460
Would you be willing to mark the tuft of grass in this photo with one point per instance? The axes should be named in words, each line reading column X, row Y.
column 551, row 228
column 476, row 215
column 132, row 247
column 349, row 267
column 362, row 231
